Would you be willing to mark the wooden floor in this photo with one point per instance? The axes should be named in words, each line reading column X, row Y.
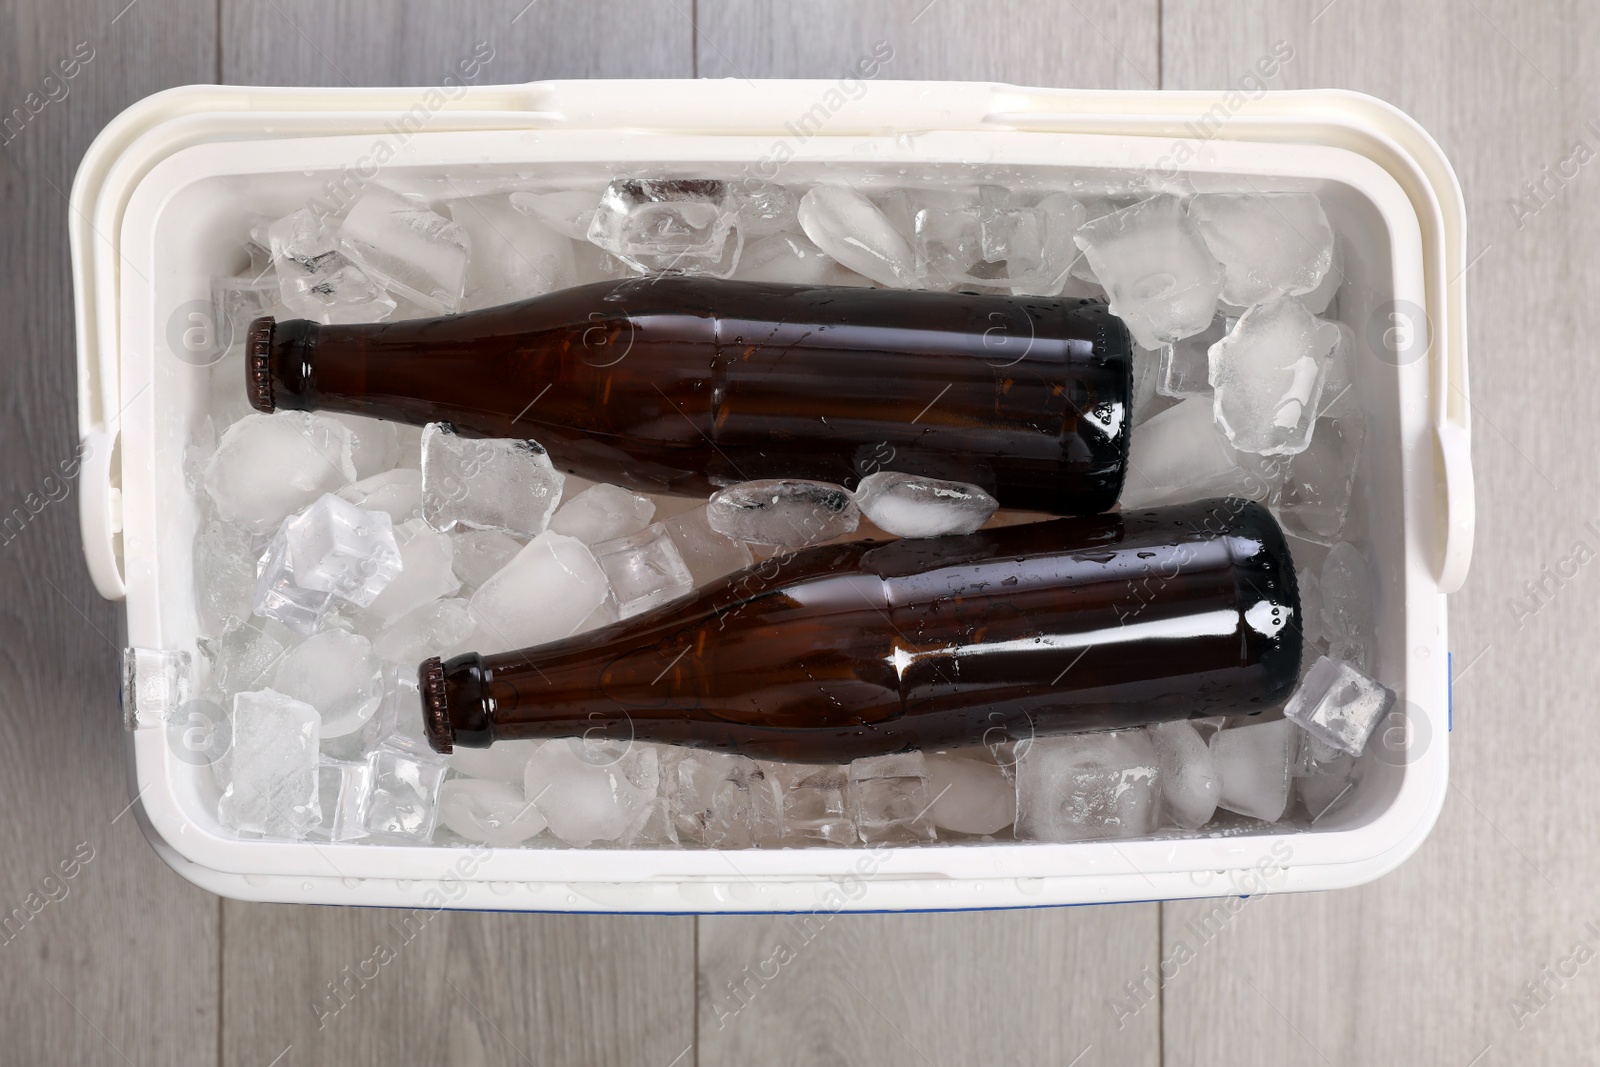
column 128, row 964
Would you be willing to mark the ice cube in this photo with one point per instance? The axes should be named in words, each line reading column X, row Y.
column 493, row 813
column 1162, row 280
column 1179, row 455
column 909, row 505
column 544, row 594
column 479, row 554
column 503, row 761
column 717, row 799
column 338, row 674
column 788, row 512
column 398, row 722
column 338, row 548
column 1146, row 400
column 374, row 443
column 1088, row 787
column 1318, row 483
column 487, row 483
column 1269, row 244
column 812, row 803
column 237, row 302
column 1339, row 705
column 708, row 554
column 1027, row 249
column 890, row 798
column 437, row 628
column 969, row 795
column 592, row 791
column 1323, row 776
column 316, row 280
column 789, row 257
column 602, row 512
column 765, row 209
column 224, row 576
column 425, row 573
column 344, row 789
column 1347, row 611
column 241, row 660
column 271, row 767
column 156, row 684
column 267, row 467
column 513, row 257
column 944, row 231
column 396, row 493
column 279, row 596
column 1267, row 376
column 681, row 226
column 644, row 569
column 415, row 252
column 1253, row 764
column 850, row 228
column 568, row 212
column 405, row 794
column 1185, row 363
column 1189, row 783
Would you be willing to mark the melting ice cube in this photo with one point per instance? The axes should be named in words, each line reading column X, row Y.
column 1267, row 375
column 267, row 467
column 545, row 593
column 1269, row 244
column 788, row 512
column 338, row 674
column 644, row 569
column 487, row 483
column 1088, row 787
column 271, row 766
column 338, row 548
column 1162, row 280
column 853, row 230
column 411, row 249
column 1253, row 763
column 681, row 226
column 1339, row 704
column 909, row 505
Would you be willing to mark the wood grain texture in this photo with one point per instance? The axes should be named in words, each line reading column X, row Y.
column 117, row 962
column 1100, row 44
column 1427, row 964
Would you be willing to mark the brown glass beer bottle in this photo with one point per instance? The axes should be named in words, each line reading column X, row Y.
column 859, row 649
column 681, row 384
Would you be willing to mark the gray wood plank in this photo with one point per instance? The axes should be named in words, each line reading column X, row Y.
column 1100, row 44
column 347, row 42
column 468, row 988
column 1429, row 964
column 1008, row 988
column 1027, row 987
column 106, row 956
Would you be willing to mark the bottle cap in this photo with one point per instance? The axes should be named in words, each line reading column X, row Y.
column 258, row 364
column 435, row 706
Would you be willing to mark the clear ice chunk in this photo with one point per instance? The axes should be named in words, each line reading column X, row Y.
column 487, row 483
column 503, row 761
column 1186, row 364
column 155, row 684
column 970, row 796
column 1179, row 454
column 243, row 659
column 1028, row 249
column 812, row 803
column 909, row 505
column 480, row 554
column 405, row 794
column 1190, row 786
column 708, row 554
column 267, row 467
column 1269, row 244
column 545, row 593
column 786, row 512
column 514, row 256
column 944, row 231
column 717, row 799
column 592, row 791
column 398, row 722
column 344, row 789
column 490, row 812
column 765, row 209
column 602, row 512
column 224, row 576
column 645, row 570
column 237, row 302
column 889, row 798
column 338, row 674
column 438, row 628
column 673, row 225
column 336, row 547
column 1339, row 705
column 1267, row 375
column 568, row 212
column 1162, row 280
column 279, row 596
column 855, row 232
column 316, row 280
column 396, row 493
column 1314, row 499
column 271, row 766
column 413, row 251
column 426, row 573
column 1088, row 787
column 1253, row 763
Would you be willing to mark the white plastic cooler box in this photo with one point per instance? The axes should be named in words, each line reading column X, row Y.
column 160, row 205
